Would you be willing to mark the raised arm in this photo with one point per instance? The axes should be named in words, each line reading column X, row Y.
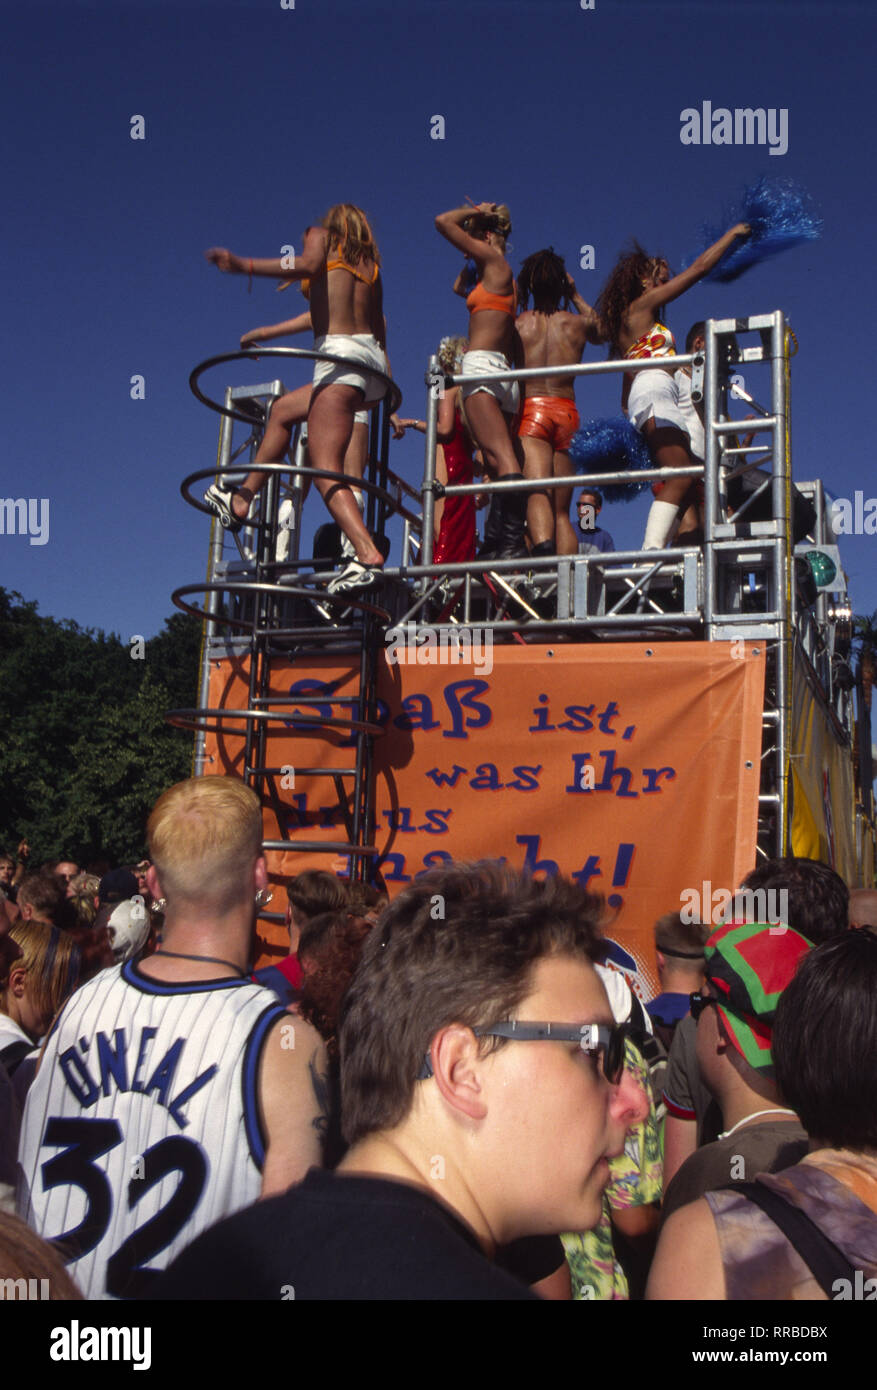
column 594, row 332
column 288, row 328
column 311, row 260
column 654, row 298
column 450, row 225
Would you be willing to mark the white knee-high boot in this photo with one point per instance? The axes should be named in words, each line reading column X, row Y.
column 661, row 525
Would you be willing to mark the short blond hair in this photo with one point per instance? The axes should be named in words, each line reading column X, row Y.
column 204, row 837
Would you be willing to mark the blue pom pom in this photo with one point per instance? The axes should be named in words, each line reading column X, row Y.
column 780, row 215
column 606, row 446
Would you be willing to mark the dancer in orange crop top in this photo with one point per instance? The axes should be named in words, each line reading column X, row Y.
column 480, row 299
column 348, row 320
column 491, row 407
column 635, row 293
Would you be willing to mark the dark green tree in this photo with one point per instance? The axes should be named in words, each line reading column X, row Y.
column 86, row 749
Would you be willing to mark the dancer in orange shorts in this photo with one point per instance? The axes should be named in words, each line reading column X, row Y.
column 551, row 337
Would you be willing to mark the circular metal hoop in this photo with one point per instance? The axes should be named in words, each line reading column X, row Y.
column 196, row 719
column 392, row 392
column 339, row 601
column 342, row 479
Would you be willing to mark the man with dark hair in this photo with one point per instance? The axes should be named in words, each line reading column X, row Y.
column 771, row 1240
column 42, row 897
column 747, row 968
column 483, row 1092
column 594, row 538
column 308, row 895
column 808, row 896
column 817, row 898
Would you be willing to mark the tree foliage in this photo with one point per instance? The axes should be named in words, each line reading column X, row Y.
column 86, row 749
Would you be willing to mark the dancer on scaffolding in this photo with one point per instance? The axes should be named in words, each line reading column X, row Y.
column 632, row 298
column 340, row 260
column 551, row 336
column 481, row 233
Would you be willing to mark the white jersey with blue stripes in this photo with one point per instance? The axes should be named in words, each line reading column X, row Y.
column 142, row 1127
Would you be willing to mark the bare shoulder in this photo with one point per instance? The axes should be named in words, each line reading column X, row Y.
column 688, row 1260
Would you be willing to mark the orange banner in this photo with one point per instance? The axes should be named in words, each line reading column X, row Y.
column 633, row 769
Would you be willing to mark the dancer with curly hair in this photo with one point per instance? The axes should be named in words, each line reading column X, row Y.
column 629, row 308
column 551, row 336
column 341, row 261
column 490, row 408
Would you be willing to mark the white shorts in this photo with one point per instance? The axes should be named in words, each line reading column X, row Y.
column 505, row 392
column 360, row 347
column 658, row 395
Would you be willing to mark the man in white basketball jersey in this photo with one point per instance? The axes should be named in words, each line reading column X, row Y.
column 173, row 1092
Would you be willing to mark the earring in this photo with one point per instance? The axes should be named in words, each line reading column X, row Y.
column 261, row 900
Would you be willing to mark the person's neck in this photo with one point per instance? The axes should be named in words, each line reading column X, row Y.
column 212, row 947
column 741, row 1104
column 392, row 1155
column 679, row 982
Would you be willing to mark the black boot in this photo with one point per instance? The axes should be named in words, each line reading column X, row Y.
column 492, row 529
column 514, row 515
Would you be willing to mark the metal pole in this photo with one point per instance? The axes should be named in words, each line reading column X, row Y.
column 785, row 593
column 434, row 378
column 711, row 392
column 211, row 604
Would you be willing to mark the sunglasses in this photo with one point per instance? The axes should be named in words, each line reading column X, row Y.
column 698, row 1002
column 595, row 1039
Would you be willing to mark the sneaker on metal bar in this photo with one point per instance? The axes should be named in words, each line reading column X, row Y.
column 354, row 576
column 218, row 500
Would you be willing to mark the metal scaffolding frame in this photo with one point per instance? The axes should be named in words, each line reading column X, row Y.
column 743, row 582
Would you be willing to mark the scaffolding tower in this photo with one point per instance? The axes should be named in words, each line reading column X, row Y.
column 749, row 581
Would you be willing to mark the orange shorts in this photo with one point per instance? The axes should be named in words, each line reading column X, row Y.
column 552, row 418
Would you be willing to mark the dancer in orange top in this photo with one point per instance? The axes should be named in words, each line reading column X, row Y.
column 632, row 298
column 491, row 407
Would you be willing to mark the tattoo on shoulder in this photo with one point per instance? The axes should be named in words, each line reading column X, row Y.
column 320, row 1087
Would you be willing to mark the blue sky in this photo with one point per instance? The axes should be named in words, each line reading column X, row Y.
column 258, row 118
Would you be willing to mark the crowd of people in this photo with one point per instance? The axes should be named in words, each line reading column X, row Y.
column 456, row 1094
column 537, row 320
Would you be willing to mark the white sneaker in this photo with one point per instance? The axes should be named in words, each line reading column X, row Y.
column 354, row 576
column 218, row 500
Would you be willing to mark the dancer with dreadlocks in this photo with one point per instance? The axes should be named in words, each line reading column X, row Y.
column 629, row 305
column 551, row 336
column 490, row 407
column 340, row 259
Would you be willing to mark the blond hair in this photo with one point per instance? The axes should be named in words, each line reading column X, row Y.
column 51, row 959
column 350, row 233
column 204, row 837
column 450, row 354
column 499, row 221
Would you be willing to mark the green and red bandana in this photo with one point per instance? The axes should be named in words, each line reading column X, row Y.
column 748, row 965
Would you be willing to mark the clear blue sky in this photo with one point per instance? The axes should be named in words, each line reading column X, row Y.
column 258, row 118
